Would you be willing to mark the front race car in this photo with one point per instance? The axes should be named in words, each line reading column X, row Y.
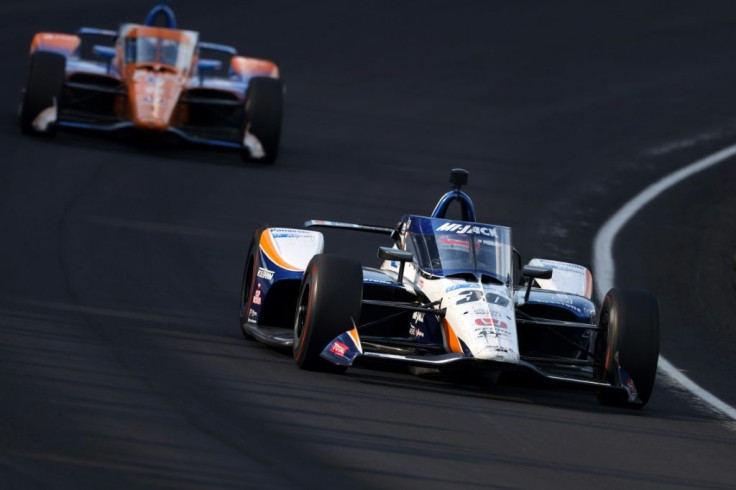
column 445, row 297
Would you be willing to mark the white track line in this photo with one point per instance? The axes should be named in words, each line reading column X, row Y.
column 604, row 267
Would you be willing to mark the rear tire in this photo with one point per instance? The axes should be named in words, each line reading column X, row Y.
column 249, row 278
column 264, row 107
column 632, row 321
column 329, row 301
column 44, row 85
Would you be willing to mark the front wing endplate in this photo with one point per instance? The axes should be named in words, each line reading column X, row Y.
column 344, row 348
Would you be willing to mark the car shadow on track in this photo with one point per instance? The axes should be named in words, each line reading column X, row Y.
column 132, row 144
column 514, row 388
column 519, row 388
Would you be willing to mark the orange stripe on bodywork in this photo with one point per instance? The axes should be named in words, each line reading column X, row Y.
column 356, row 338
column 269, row 248
column 451, row 340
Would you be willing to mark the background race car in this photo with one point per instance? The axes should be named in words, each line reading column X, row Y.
column 153, row 77
column 445, row 298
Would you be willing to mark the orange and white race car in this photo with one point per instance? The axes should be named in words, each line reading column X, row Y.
column 152, row 78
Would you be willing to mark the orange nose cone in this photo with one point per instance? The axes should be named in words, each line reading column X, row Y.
column 153, row 98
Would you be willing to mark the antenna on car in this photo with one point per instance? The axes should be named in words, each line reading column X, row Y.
column 161, row 8
column 458, row 178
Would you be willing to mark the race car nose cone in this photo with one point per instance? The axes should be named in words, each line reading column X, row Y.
column 153, row 98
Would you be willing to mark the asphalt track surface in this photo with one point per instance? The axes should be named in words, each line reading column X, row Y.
column 121, row 360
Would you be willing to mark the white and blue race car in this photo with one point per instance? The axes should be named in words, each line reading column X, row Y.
column 445, row 297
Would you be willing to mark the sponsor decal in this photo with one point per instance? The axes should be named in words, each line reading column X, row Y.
column 486, row 321
column 289, row 233
column 628, row 384
column 462, row 285
column 265, row 274
column 415, row 330
column 560, row 299
column 257, row 296
column 455, row 244
column 150, row 99
column 339, row 348
column 464, row 229
column 563, row 299
column 373, row 280
column 487, row 333
column 252, row 316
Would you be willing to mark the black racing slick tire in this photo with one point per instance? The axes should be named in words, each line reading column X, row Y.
column 631, row 322
column 43, row 89
column 249, row 279
column 264, row 106
column 329, row 302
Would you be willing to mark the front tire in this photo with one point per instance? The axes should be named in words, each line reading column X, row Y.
column 43, row 89
column 264, row 107
column 329, row 302
column 631, row 320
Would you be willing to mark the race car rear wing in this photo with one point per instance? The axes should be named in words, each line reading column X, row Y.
column 318, row 223
column 94, row 31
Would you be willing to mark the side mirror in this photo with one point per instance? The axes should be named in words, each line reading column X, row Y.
column 401, row 256
column 390, row 253
column 533, row 272
column 209, row 65
column 107, row 52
